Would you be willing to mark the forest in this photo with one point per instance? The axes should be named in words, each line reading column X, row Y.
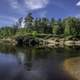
column 69, row 26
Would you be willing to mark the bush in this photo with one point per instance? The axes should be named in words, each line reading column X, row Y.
column 34, row 34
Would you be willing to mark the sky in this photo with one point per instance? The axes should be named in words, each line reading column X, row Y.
column 12, row 10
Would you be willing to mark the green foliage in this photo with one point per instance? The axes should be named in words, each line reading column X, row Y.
column 34, row 34
column 28, row 21
column 7, row 32
column 72, row 26
column 67, row 27
column 57, row 27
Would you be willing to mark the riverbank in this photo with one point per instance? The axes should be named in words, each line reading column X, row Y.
column 64, row 43
column 72, row 66
column 46, row 42
column 8, row 41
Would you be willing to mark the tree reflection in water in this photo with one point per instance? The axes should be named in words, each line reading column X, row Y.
column 34, row 63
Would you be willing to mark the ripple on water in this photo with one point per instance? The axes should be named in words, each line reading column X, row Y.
column 10, row 69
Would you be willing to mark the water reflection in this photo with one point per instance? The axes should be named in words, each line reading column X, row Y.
column 10, row 69
column 35, row 63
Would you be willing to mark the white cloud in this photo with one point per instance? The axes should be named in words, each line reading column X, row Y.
column 14, row 4
column 77, row 16
column 27, row 5
column 17, row 7
column 8, row 18
column 78, row 3
column 36, row 4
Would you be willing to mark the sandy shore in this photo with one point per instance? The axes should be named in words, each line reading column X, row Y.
column 72, row 66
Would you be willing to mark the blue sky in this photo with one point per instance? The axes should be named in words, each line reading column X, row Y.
column 11, row 10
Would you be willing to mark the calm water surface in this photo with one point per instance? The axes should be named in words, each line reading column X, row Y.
column 35, row 63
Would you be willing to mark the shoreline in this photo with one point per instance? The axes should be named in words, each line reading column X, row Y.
column 72, row 66
column 47, row 42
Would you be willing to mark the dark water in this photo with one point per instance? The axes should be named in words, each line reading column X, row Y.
column 35, row 63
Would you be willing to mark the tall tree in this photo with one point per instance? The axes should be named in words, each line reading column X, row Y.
column 72, row 26
column 29, row 21
column 60, row 27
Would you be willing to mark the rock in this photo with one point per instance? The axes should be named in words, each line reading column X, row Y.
column 19, row 40
column 72, row 66
column 34, row 42
column 26, row 41
column 69, row 43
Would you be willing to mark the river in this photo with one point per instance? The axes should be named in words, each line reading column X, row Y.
column 17, row 63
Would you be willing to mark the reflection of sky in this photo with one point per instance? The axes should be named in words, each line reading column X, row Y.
column 9, row 67
column 8, row 59
column 21, row 57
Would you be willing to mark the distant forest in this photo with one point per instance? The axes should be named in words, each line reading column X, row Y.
column 69, row 26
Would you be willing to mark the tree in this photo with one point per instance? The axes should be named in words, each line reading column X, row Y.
column 29, row 21
column 44, row 24
column 60, row 27
column 72, row 26
column 18, row 23
column 36, row 25
column 53, row 25
column 6, row 32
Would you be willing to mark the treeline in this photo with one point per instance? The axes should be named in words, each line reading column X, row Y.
column 69, row 26
column 7, row 31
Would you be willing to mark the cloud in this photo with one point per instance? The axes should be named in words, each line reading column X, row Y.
column 36, row 4
column 29, row 4
column 24, row 6
column 17, row 7
column 8, row 18
column 78, row 3
column 77, row 16
column 14, row 4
